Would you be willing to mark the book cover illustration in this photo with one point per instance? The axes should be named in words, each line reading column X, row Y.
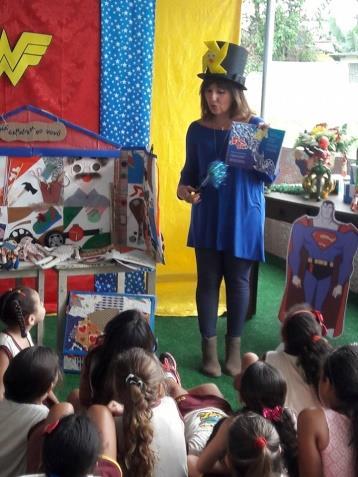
column 256, row 149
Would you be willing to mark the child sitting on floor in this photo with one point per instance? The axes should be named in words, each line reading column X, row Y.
column 328, row 436
column 301, row 357
column 29, row 378
column 126, row 330
column 263, row 391
column 72, row 448
column 20, row 310
column 150, row 434
column 253, row 448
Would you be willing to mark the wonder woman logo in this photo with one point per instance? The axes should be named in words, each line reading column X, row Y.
column 28, row 51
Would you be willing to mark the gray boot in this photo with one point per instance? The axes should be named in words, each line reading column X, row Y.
column 211, row 365
column 233, row 358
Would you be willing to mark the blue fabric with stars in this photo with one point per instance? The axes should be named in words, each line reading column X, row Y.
column 127, row 40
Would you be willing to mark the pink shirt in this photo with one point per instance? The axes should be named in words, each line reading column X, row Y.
column 338, row 456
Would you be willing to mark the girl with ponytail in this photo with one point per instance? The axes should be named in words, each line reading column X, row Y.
column 150, row 433
column 253, row 448
column 328, row 436
column 262, row 390
column 20, row 310
column 300, row 356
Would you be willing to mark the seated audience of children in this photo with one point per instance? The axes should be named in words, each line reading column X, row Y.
column 138, row 413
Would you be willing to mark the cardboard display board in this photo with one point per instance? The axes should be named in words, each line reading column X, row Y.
column 87, row 315
column 319, row 265
column 75, row 188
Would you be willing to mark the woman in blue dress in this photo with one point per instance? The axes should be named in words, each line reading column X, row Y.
column 227, row 223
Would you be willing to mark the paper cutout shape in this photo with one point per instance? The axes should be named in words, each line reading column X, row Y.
column 214, row 57
column 135, row 205
column 32, row 181
column 28, row 51
column 89, row 181
column 27, row 222
column 319, row 265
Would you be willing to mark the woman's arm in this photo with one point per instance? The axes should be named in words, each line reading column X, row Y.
column 211, row 460
column 313, row 437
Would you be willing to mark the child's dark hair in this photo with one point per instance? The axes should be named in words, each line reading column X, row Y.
column 126, row 330
column 254, row 447
column 72, row 448
column 263, row 390
column 302, row 336
column 139, row 377
column 30, row 374
column 341, row 369
column 15, row 306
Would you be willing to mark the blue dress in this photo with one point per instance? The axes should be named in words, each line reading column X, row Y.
column 232, row 217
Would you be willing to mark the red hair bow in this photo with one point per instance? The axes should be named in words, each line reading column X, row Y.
column 272, row 414
column 320, row 320
column 260, row 442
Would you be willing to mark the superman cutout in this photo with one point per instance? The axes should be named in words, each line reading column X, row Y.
column 319, row 265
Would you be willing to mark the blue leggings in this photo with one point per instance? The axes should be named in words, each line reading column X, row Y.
column 212, row 267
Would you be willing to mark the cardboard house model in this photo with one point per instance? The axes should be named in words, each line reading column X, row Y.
column 63, row 184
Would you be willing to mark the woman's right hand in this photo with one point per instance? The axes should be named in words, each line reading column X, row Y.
column 189, row 194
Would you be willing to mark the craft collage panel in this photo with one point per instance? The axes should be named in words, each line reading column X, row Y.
column 87, row 315
column 27, row 222
column 135, row 217
column 33, row 181
column 3, row 161
column 57, row 200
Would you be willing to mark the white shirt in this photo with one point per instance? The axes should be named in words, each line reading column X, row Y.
column 300, row 395
column 8, row 341
column 16, row 420
column 168, row 439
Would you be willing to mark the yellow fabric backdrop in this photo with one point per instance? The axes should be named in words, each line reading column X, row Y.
column 181, row 28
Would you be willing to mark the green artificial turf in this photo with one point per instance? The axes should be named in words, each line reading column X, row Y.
column 180, row 336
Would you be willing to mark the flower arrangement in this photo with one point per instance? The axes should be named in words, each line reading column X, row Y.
column 323, row 140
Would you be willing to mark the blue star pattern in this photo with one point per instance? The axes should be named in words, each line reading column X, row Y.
column 127, row 40
column 105, row 282
column 135, row 283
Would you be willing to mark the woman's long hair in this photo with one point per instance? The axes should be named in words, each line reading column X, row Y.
column 341, row 369
column 263, row 390
column 138, row 382
column 240, row 110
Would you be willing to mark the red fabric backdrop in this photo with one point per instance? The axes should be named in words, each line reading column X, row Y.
column 65, row 82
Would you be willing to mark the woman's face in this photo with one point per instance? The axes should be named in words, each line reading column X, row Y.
column 218, row 99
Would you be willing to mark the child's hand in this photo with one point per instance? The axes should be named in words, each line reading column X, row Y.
column 116, row 408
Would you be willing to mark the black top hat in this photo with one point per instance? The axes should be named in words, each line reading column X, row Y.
column 224, row 60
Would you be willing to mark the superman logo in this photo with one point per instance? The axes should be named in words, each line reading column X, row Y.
column 28, row 51
column 324, row 239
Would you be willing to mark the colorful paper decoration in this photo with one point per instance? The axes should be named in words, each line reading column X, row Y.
column 87, row 314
